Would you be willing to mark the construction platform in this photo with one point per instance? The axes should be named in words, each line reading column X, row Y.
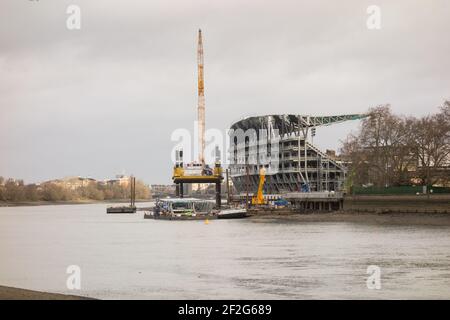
column 315, row 201
column 302, row 201
column 195, row 173
column 181, row 180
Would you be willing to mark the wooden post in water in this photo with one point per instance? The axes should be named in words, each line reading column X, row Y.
column 247, row 182
column 132, row 191
column 218, row 195
column 228, row 187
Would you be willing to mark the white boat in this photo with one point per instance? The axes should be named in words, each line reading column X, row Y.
column 232, row 214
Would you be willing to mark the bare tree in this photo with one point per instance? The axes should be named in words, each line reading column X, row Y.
column 392, row 150
column 432, row 148
column 381, row 147
column 445, row 109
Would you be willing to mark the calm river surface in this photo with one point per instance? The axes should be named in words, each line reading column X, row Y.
column 125, row 256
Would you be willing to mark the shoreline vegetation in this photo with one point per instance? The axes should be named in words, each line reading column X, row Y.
column 70, row 190
column 65, row 202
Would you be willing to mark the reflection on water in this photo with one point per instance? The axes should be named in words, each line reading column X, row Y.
column 125, row 256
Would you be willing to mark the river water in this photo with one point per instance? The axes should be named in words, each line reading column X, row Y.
column 126, row 256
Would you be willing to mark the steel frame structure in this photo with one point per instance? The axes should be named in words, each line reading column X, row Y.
column 300, row 167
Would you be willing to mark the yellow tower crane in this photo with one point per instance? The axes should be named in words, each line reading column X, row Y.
column 201, row 101
column 198, row 171
column 258, row 199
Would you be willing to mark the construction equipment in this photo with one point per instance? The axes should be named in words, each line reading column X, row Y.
column 201, row 101
column 258, row 199
column 198, row 171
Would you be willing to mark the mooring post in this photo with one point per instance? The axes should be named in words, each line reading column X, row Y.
column 218, row 195
column 247, row 182
column 228, row 188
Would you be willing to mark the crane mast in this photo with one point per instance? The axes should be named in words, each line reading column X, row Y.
column 198, row 171
column 201, row 101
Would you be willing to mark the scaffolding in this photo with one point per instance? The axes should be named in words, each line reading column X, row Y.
column 300, row 166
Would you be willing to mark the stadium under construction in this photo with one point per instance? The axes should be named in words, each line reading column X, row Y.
column 292, row 163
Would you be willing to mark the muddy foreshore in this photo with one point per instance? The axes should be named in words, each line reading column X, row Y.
column 9, row 293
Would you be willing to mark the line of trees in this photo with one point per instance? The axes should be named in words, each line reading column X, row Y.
column 392, row 150
column 12, row 190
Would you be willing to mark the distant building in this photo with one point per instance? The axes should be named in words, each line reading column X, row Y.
column 199, row 187
column 120, row 180
column 162, row 190
column 72, row 183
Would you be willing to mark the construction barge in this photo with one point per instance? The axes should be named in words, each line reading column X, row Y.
column 191, row 209
column 126, row 209
column 121, row 209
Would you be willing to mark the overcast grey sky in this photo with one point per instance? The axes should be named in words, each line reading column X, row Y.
column 105, row 99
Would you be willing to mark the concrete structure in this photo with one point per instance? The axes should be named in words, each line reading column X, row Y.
column 162, row 190
column 292, row 162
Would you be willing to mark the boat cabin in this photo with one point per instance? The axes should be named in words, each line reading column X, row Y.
column 184, row 206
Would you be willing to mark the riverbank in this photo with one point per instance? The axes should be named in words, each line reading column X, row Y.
column 436, row 203
column 9, row 293
column 420, row 218
column 50, row 203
